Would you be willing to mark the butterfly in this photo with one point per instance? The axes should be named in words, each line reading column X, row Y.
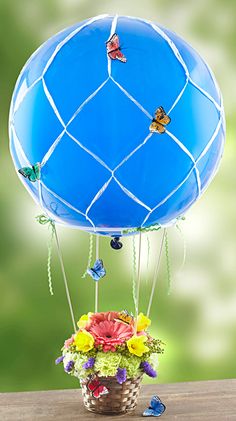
column 155, row 409
column 113, row 49
column 125, row 316
column 159, row 122
column 32, row 173
column 97, row 271
column 96, row 388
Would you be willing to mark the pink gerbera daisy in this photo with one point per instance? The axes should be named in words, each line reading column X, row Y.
column 96, row 318
column 110, row 333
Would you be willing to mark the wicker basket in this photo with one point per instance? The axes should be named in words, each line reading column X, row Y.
column 120, row 399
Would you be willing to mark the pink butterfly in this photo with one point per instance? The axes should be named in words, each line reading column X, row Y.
column 97, row 388
column 113, row 49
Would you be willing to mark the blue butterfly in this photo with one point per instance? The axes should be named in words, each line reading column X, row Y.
column 97, row 271
column 155, row 409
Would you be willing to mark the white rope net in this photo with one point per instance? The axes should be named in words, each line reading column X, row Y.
column 112, row 172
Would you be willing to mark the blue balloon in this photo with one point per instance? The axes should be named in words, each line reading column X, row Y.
column 84, row 113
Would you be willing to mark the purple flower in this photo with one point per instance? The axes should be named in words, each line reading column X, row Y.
column 89, row 363
column 121, row 375
column 59, row 360
column 148, row 369
column 69, row 366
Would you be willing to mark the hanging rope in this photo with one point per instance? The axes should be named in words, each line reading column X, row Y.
column 65, row 280
column 167, row 263
column 43, row 220
column 154, row 281
column 90, row 255
column 138, row 279
column 148, row 258
column 97, row 282
column 134, row 275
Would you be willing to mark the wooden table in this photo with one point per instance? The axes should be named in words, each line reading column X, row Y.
column 208, row 400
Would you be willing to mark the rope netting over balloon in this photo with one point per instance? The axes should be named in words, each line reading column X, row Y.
column 112, row 171
column 108, row 174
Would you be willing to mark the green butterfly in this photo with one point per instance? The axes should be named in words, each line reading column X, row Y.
column 32, row 173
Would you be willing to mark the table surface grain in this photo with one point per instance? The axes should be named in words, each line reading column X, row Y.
column 206, row 400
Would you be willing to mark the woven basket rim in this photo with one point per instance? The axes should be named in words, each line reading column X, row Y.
column 110, row 378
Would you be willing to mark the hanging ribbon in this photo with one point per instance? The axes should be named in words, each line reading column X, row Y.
column 156, row 227
column 184, row 247
column 43, row 220
column 134, row 275
column 90, row 255
column 96, row 283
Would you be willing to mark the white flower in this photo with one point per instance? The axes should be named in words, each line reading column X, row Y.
column 153, row 361
column 69, row 356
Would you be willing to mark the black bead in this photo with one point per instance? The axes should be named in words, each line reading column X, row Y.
column 116, row 244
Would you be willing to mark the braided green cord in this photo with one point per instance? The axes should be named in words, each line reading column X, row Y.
column 140, row 229
column 49, row 262
column 134, row 292
column 90, row 255
column 168, row 263
column 43, row 220
column 184, row 247
column 148, row 257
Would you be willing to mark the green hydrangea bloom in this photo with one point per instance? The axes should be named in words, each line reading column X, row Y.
column 78, row 368
column 131, row 363
column 107, row 363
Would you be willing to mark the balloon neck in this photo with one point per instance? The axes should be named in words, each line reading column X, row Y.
column 115, row 243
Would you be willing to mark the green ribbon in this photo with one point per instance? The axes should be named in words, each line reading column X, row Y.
column 156, row 227
column 44, row 220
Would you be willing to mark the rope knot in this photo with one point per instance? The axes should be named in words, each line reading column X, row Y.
column 44, row 219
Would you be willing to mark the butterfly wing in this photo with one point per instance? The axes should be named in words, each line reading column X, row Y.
column 161, row 116
column 99, row 268
column 37, row 170
column 161, row 119
column 93, row 385
column 120, row 56
column 156, row 406
column 156, row 127
column 113, row 49
column 148, row 413
column 28, row 172
column 100, row 391
column 93, row 274
column 97, row 271
column 113, row 43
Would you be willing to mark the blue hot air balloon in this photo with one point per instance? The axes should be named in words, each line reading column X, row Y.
column 116, row 123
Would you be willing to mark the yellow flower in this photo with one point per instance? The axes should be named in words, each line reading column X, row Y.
column 136, row 345
column 143, row 322
column 83, row 320
column 84, row 341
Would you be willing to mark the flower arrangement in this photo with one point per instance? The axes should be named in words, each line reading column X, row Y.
column 111, row 344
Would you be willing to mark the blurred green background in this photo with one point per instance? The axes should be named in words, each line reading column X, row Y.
column 198, row 320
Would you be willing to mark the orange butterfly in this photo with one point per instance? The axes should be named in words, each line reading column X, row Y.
column 125, row 317
column 159, row 122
